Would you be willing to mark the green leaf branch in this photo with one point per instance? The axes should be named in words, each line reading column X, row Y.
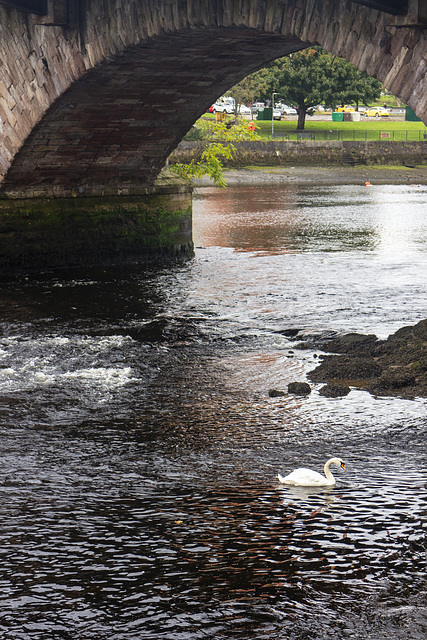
column 218, row 139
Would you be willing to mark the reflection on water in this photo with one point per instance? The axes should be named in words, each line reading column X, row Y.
column 139, row 446
column 357, row 255
column 294, row 218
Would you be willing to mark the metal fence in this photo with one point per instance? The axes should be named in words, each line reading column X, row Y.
column 369, row 135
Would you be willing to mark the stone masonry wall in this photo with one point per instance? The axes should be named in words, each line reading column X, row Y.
column 310, row 153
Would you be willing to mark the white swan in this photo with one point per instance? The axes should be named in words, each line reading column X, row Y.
column 309, row 478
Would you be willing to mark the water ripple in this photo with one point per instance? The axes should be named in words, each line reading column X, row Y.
column 140, row 447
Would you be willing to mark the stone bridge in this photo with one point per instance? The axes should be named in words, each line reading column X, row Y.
column 95, row 94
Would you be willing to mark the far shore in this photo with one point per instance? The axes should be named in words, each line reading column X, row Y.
column 325, row 175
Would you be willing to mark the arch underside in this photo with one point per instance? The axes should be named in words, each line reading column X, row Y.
column 118, row 124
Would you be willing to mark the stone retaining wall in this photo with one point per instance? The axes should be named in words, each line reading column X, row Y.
column 312, row 153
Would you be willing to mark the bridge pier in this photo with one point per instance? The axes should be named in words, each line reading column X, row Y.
column 40, row 233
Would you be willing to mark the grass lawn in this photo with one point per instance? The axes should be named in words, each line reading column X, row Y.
column 363, row 130
column 366, row 129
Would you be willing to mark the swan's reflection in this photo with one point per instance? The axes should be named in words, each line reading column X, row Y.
column 306, row 494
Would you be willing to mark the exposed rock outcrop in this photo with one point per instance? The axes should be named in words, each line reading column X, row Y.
column 393, row 367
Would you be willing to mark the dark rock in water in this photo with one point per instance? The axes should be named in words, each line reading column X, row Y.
column 299, row 388
column 347, row 343
column 274, row 393
column 419, row 331
column 395, row 379
column 347, row 368
column 289, row 333
column 396, row 366
column 316, row 340
column 353, row 343
column 153, row 331
column 334, row 390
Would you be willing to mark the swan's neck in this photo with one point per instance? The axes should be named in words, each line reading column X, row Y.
column 328, row 472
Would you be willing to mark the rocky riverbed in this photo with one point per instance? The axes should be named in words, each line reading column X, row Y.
column 396, row 366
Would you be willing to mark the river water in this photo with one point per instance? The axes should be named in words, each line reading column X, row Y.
column 139, row 446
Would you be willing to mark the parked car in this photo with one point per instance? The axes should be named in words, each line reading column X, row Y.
column 376, row 112
column 347, row 109
column 243, row 110
column 286, row 110
column 256, row 106
column 224, row 105
column 277, row 114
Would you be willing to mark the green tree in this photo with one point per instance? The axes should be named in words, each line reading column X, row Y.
column 303, row 80
column 218, row 138
column 312, row 76
column 351, row 85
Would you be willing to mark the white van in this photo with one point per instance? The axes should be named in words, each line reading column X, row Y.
column 224, row 105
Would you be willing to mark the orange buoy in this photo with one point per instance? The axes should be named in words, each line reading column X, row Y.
column 367, row 183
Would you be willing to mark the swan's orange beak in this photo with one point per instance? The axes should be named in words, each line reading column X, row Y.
column 342, row 465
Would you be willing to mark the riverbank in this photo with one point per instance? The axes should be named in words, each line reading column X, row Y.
column 309, row 160
column 323, row 175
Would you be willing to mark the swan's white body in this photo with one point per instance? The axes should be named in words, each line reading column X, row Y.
column 309, row 478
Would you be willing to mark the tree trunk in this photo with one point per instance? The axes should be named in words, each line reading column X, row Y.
column 301, row 117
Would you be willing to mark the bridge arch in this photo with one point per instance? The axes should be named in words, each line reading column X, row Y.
column 102, row 105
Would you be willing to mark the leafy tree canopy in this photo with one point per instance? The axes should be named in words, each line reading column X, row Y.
column 307, row 78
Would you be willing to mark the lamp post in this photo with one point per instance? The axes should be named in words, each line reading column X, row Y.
column 272, row 115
